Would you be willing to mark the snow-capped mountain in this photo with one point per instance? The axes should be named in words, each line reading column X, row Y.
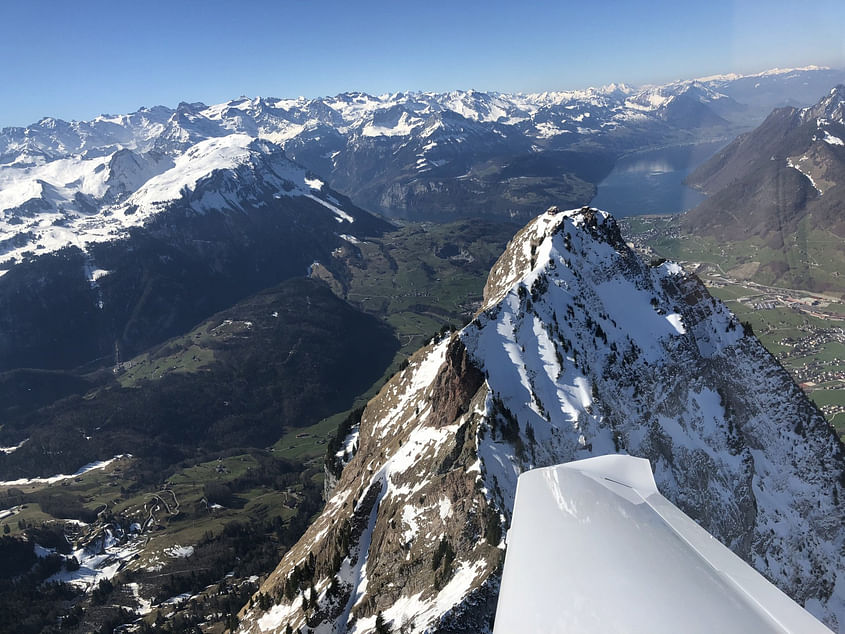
column 580, row 349
column 50, row 138
column 830, row 110
column 79, row 201
column 403, row 154
column 139, row 246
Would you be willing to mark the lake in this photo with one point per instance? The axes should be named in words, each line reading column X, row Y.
column 652, row 182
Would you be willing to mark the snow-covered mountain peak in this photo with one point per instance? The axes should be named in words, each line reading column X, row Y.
column 617, row 88
column 230, row 173
column 78, row 201
column 831, row 107
column 660, row 97
column 199, row 161
column 532, row 247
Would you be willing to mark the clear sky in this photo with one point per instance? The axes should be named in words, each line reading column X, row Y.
column 76, row 59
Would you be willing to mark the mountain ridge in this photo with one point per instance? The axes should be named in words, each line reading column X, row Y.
column 495, row 101
column 443, row 146
column 776, row 185
column 170, row 255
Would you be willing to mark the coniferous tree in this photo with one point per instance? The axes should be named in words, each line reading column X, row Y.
column 381, row 625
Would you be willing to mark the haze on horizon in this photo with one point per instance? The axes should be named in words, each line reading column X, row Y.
column 78, row 60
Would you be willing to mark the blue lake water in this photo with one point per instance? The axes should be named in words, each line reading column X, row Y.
column 652, row 182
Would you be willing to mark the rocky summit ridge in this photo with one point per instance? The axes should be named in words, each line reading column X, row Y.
column 580, row 349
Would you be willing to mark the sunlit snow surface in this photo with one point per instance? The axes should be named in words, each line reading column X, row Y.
column 78, row 201
column 101, row 559
column 92, row 466
column 594, row 547
column 832, row 140
column 13, row 448
column 796, row 165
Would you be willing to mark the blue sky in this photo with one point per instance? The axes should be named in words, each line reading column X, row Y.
column 74, row 60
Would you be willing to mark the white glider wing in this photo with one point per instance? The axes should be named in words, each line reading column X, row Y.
column 594, row 547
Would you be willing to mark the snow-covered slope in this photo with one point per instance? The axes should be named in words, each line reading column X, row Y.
column 579, row 350
column 132, row 247
column 78, row 201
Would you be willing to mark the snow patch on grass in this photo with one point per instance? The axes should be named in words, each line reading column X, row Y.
column 92, row 466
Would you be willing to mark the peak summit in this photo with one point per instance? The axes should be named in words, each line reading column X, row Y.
column 550, row 233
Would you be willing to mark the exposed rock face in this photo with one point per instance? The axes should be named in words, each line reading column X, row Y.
column 454, row 386
column 579, row 350
column 375, row 543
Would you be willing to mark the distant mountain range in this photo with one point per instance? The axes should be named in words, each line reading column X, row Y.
column 405, row 154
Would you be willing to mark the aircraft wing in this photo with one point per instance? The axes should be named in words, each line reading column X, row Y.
column 594, row 547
